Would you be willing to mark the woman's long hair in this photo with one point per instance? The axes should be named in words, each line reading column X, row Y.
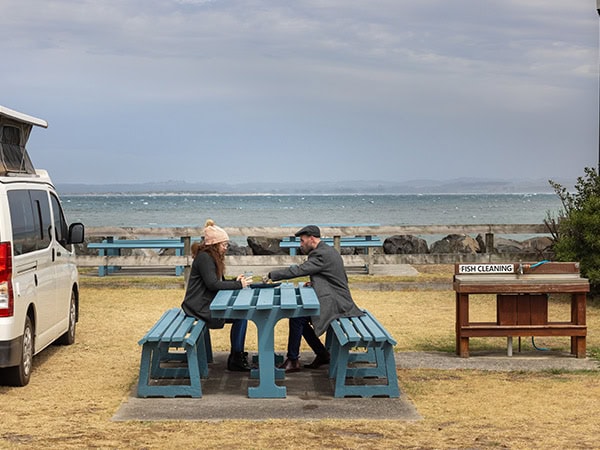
column 218, row 258
column 212, row 250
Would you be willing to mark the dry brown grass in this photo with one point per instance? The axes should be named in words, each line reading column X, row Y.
column 76, row 390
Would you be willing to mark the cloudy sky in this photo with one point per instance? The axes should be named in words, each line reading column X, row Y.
column 304, row 90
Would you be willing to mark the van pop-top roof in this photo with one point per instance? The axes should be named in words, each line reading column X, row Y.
column 15, row 128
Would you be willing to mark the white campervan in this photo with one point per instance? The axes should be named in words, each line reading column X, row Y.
column 39, row 283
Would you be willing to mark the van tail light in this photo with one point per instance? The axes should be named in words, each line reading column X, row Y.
column 6, row 289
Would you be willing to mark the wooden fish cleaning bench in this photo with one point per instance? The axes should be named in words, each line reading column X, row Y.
column 349, row 333
column 162, row 356
column 522, row 291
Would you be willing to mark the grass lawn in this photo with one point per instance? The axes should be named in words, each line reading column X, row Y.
column 74, row 391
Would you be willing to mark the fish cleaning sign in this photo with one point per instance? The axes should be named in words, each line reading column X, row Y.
column 485, row 268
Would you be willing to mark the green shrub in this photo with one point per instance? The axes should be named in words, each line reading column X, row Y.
column 576, row 229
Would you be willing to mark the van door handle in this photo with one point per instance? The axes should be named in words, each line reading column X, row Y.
column 35, row 279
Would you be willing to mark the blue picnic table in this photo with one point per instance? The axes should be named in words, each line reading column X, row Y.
column 265, row 306
column 113, row 247
column 365, row 242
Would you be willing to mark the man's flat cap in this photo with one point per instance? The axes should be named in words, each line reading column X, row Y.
column 309, row 230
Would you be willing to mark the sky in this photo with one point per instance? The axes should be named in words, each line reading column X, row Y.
column 301, row 91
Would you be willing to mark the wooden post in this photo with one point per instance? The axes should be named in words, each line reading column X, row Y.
column 578, row 311
column 489, row 242
column 462, row 319
column 370, row 253
column 187, row 251
column 336, row 243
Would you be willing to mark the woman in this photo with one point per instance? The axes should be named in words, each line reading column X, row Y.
column 206, row 279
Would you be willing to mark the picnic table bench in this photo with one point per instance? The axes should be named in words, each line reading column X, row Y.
column 113, row 247
column 162, row 356
column 348, row 333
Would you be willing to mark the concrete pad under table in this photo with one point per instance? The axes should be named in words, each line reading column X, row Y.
column 309, row 397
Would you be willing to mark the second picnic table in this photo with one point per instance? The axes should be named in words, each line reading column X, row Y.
column 265, row 306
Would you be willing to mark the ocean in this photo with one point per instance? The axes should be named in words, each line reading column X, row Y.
column 182, row 210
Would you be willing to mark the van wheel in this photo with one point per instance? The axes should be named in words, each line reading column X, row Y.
column 20, row 375
column 69, row 337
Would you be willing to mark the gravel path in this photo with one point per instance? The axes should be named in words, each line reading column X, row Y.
column 525, row 361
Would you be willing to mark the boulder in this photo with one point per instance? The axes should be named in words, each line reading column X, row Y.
column 404, row 244
column 503, row 245
column 238, row 250
column 541, row 246
column 481, row 241
column 538, row 244
column 455, row 243
column 82, row 249
column 265, row 246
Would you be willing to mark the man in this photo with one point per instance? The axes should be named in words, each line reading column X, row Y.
column 328, row 278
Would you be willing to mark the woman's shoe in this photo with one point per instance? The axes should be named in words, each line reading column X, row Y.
column 238, row 362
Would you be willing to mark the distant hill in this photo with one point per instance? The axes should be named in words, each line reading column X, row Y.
column 459, row 185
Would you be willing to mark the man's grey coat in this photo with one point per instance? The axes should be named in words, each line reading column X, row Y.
column 328, row 277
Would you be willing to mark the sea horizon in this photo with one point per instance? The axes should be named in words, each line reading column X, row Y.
column 284, row 194
column 456, row 186
column 272, row 210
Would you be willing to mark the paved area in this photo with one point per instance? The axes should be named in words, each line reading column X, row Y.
column 496, row 361
column 394, row 269
column 310, row 392
column 309, row 397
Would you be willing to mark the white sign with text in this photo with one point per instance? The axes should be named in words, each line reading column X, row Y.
column 485, row 268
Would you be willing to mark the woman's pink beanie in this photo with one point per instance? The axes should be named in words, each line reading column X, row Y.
column 214, row 234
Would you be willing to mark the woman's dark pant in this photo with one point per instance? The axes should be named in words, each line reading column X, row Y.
column 301, row 327
column 237, row 335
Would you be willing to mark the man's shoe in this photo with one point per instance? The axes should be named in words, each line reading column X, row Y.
column 238, row 362
column 290, row 365
column 320, row 360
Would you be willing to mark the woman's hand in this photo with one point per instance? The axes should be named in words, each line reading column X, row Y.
column 246, row 281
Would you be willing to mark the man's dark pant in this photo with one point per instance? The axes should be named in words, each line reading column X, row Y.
column 301, row 327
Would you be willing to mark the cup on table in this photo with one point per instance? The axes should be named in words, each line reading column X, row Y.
column 248, row 276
